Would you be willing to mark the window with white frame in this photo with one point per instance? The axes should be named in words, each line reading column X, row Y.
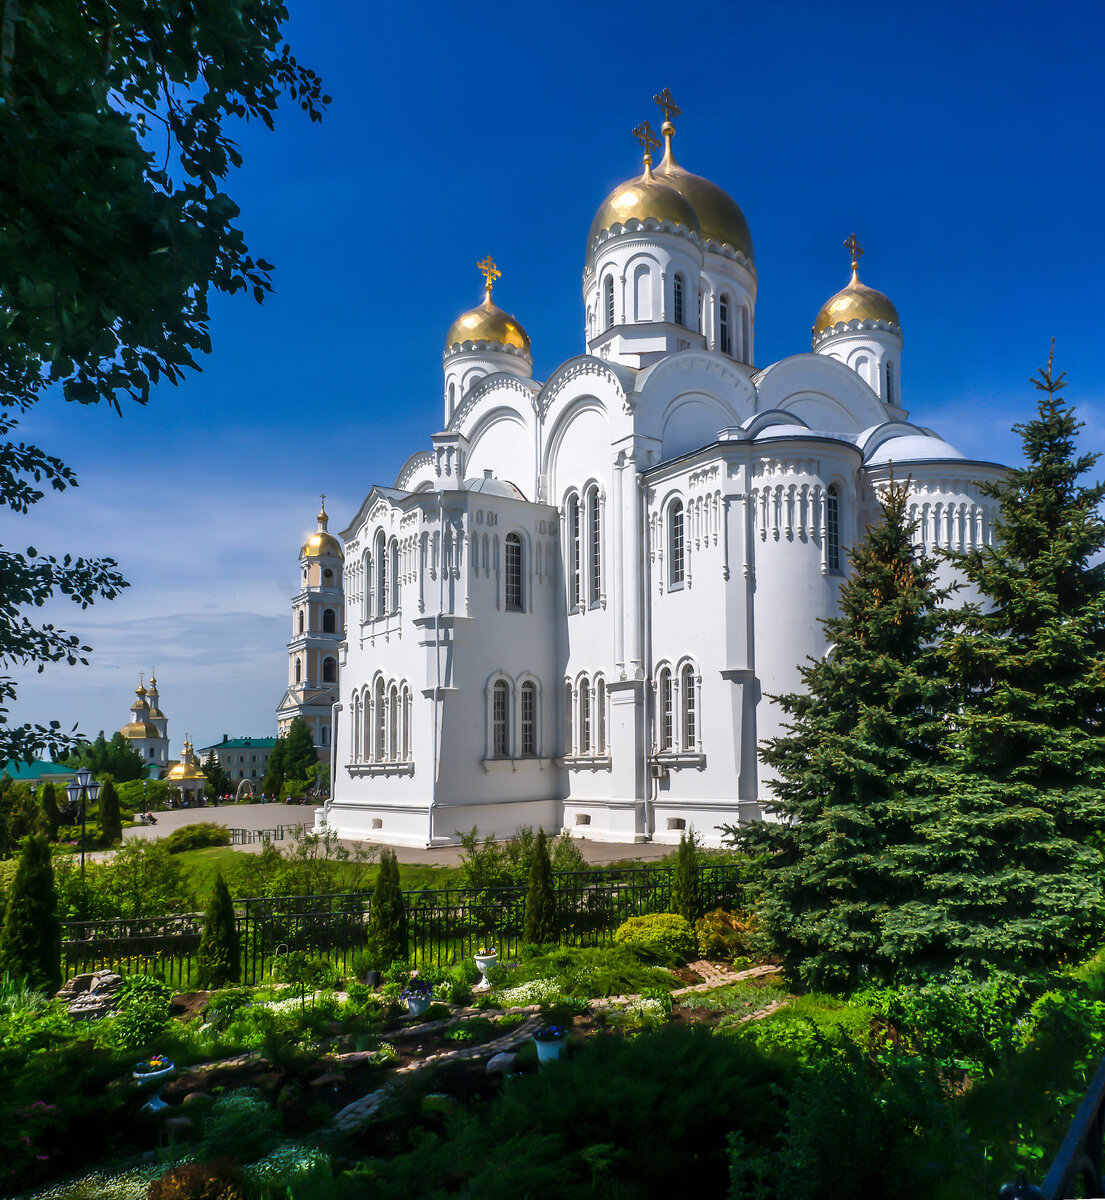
column 393, row 723
column 890, row 383
column 329, row 621
column 608, row 300
column 329, row 670
column 832, row 529
column 528, row 719
column 381, row 575
column 584, row 716
column 665, row 701
column 575, row 533
column 380, row 739
column 500, row 719
column 393, row 576
column 677, row 566
column 569, row 718
column 513, row 574
column 594, row 547
column 688, row 699
column 406, row 740
column 677, row 300
column 725, row 333
column 600, row 716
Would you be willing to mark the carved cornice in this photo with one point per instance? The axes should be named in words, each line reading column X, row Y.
column 572, row 371
column 420, row 459
column 488, row 384
column 856, row 327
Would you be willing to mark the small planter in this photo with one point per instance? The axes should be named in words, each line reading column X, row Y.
column 417, row 1005
column 484, row 963
column 549, row 1048
column 150, row 1078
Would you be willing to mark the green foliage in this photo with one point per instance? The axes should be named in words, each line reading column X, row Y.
column 144, row 795
column 20, row 815
column 219, row 955
column 142, row 879
column 722, row 936
column 489, row 863
column 300, row 756
column 541, row 923
column 197, row 836
column 593, row 972
column 662, row 937
column 30, row 943
column 218, row 1180
column 225, row 1005
column 50, row 812
column 388, row 915
column 114, row 757
column 142, row 1015
column 273, row 779
column 686, row 884
column 111, row 822
column 304, row 972
column 240, row 1125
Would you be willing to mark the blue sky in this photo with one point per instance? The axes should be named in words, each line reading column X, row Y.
column 961, row 142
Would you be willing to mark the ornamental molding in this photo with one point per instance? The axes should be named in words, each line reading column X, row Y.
column 572, row 371
column 469, row 347
column 856, row 326
column 422, row 458
column 499, row 380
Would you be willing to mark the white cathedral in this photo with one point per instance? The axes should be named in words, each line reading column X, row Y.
column 571, row 609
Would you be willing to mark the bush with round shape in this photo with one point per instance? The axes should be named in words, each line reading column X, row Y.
column 219, row 1180
column 240, row 1125
column 660, row 937
column 722, row 936
column 197, row 837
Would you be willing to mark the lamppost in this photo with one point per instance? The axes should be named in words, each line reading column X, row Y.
column 80, row 791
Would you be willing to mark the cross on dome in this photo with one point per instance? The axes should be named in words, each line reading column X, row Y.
column 490, row 272
column 667, row 105
column 855, row 249
column 644, row 134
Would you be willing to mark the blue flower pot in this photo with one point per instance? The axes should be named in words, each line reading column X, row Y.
column 417, row 1005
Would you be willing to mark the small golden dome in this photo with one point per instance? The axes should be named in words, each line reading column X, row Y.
column 639, row 200
column 139, row 729
column 719, row 216
column 322, row 544
column 188, row 768
column 856, row 302
column 487, row 323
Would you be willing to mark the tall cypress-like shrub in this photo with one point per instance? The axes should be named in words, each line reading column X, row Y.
column 1010, row 866
column 219, row 956
column 854, row 765
column 540, row 924
column 686, row 883
column 111, row 821
column 388, row 918
column 30, row 942
column 50, row 811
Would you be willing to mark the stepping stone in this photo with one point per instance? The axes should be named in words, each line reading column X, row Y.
column 500, row 1062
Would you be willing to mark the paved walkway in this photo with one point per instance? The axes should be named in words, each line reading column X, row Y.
column 268, row 816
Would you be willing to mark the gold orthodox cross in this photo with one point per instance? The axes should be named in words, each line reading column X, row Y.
column 668, row 105
column 643, row 133
column 855, row 249
column 490, row 272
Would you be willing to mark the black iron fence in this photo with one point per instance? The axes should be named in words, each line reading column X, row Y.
column 444, row 924
column 278, row 833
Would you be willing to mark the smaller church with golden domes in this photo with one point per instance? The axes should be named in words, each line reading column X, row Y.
column 573, row 607
column 147, row 731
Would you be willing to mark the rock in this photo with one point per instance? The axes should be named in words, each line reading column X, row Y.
column 179, row 1127
column 194, row 1099
column 91, row 995
column 500, row 1062
column 330, row 1079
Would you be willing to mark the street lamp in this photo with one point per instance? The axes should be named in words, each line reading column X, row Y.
column 81, row 790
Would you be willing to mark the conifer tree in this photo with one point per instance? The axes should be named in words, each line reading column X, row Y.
column 686, row 884
column 860, row 744
column 219, row 956
column 540, row 924
column 388, row 916
column 30, row 943
column 111, row 822
column 50, row 811
column 1013, row 874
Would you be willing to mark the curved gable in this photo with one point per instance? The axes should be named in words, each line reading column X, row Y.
column 822, row 391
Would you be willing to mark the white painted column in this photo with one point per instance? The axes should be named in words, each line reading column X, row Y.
column 631, row 567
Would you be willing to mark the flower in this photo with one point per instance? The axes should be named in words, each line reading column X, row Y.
column 156, row 1062
column 418, row 989
column 486, row 952
column 550, row 1033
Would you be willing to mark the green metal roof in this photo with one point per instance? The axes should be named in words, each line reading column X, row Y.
column 38, row 769
column 240, row 744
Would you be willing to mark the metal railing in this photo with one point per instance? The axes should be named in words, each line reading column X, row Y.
column 444, row 925
column 278, row 833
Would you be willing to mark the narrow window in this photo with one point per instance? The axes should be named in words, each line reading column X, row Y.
column 746, row 335
column 329, row 670
column 600, row 716
column 574, row 533
column 832, row 529
column 500, row 720
column 529, row 720
column 369, row 726
column 393, row 573
column 299, row 670
column 301, row 621
column 725, row 336
column 406, row 724
column 393, row 723
column 700, row 310
column 677, row 568
column 667, row 714
column 381, row 722
column 568, row 717
column 514, row 573
column 584, row 717
column 689, row 699
column 890, row 383
column 452, row 397
column 329, row 621
column 595, row 529
column 677, row 298
column 325, row 735
column 381, row 576
column 608, row 300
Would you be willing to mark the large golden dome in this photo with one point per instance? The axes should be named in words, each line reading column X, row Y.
column 720, row 219
column 139, row 729
column 321, row 544
column 856, row 302
column 641, row 199
column 487, row 323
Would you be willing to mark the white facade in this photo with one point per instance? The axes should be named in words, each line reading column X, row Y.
column 571, row 609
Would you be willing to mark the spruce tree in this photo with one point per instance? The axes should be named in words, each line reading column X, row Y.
column 855, row 760
column 30, row 943
column 388, row 915
column 1013, row 872
column 111, row 822
column 300, row 755
column 219, row 955
column 50, row 811
column 686, row 884
column 540, row 924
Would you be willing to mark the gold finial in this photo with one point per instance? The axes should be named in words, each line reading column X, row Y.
column 668, row 106
column 855, row 249
column 141, row 679
column 643, row 133
column 153, row 677
column 322, row 511
column 490, row 273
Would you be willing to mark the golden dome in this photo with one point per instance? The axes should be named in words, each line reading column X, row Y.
column 487, row 323
column 719, row 216
column 187, row 769
column 856, row 302
column 139, row 729
column 639, row 200
column 321, row 544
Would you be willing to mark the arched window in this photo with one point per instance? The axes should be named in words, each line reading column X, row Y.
column 665, row 716
column 569, row 717
column 380, row 714
column 500, row 720
column 677, row 566
column 325, row 734
column 381, row 575
column 329, row 670
column 642, row 294
column 406, row 724
column 300, row 620
column 366, row 587
column 832, row 529
column 594, row 548
column 677, row 300
column 393, row 576
column 513, row 574
column 393, row 723
column 299, row 670
column 574, row 551
column 329, row 621
column 608, row 300
column 725, row 333
column 600, row 716
column 328, row 576
column 355, row 727
column 368, row 727
column 584, row 716
column 529, row 720
column 746, row 334
column 688, row 696
column 699, row 310
column 890, row 383
column 452, row 397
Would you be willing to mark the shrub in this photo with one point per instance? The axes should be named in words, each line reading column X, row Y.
column 111, row 822
column 220, row 1180
column 240, row 1124
column 225, row 1005
column 30, row 944
column 197, row 837
column 143, row 1012
column 722, row 936
column 219, row 955
column 50, row 811
column 388, row 917
column 663, row 937
column 686, row 888
column 305, row 972
column 540, row 924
